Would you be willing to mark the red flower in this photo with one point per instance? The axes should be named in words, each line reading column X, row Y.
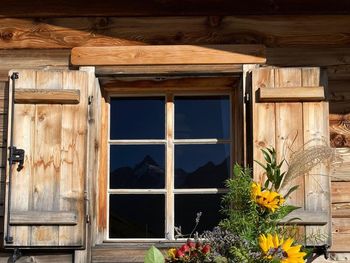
column 191, row 244
column 206, row 249
column 179, row 253
column 185, row 248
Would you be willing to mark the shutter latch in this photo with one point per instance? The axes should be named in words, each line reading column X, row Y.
column 16, row 156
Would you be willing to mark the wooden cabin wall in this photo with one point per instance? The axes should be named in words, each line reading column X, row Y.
column 45, row 43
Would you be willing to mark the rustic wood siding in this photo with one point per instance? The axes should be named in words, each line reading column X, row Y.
column 45, row 44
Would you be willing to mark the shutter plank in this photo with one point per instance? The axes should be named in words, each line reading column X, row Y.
column 47, row 155
column 317, row 182
column 48, row 194
column 43, row 218
column 47, row 96
column 263, row 113
column 23, row 117
column 283, row 94
column 73, row 143
column 289, row 128
column 307, row 218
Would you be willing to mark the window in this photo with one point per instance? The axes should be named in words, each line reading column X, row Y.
column 169, row 156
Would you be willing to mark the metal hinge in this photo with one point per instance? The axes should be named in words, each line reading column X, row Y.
column 16, row 156
column 90, row 98
column 246, row 98
column 87, row 219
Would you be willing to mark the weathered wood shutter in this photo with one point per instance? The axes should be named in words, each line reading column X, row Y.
column 290, row 114
column 45, row 200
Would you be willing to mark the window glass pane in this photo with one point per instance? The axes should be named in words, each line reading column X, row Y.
column 137, row 118
column 187, row 206
column 137, row 166
column 202, row 117
column 136, row 216
column 202, row 166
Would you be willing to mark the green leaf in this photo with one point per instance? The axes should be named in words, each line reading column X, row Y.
column 154, row 256
column 266, row 156
column 237, row 170
column 291, row 191
column 287, row 209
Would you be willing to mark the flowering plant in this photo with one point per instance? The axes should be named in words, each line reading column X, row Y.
column 250, row 232
column 194, row 252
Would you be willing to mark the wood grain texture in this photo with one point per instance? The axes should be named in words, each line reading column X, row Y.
column 54, row 139
column 291, row 94
column 306, row 218
column 49, row 96
column 340, row 130
column 317, row 182
column 169, row 8
column 341, row 168
column 340, row 192
column 262, row 113
column 39, row 258
column 43, row 218
column 287, row 127
column 74, row 158
column 271, row 31
column 168, row 70
column 168, row 55
column 341, row 210
column 288, row 133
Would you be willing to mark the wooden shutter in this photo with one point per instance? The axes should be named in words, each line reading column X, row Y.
column 287, row 122
column 45, row 200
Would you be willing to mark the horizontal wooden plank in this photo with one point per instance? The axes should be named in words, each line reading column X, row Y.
column 43, row 218
column 307, row 218
column 47, row 96
column 30, row 257
column 341, row 225
column 341, row 210
column 339, row 94
column 340, row 192
column 204, row 84
column 169, row 70
column 272, row 31
column 53, row 8
column 168, row 55
column 340, row 242
column 341, row 168
column 284, row 94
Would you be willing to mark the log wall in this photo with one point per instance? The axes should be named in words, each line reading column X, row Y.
column 45, row 43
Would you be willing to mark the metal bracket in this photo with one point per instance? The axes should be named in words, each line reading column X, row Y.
column 16, row 156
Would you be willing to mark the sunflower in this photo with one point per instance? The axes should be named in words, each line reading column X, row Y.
column 267, row 199
column 278, row 249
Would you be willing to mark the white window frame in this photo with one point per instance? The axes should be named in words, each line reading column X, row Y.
column 169, row 142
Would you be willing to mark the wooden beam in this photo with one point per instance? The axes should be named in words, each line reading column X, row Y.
column 340, row 192
column 42, row 218
column 328, row 33
column 47, row 96
column 284, row 94
column 168, row 55
column 169, row 70
column 53, row 8
column 306, row 218
column 340, row 169
column 339, row 126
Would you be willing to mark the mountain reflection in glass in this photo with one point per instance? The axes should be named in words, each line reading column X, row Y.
column 136, row 216
column 137, row 166
column 137, row 118
column 198, row 117
column 202, row 166
column 187, row 206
